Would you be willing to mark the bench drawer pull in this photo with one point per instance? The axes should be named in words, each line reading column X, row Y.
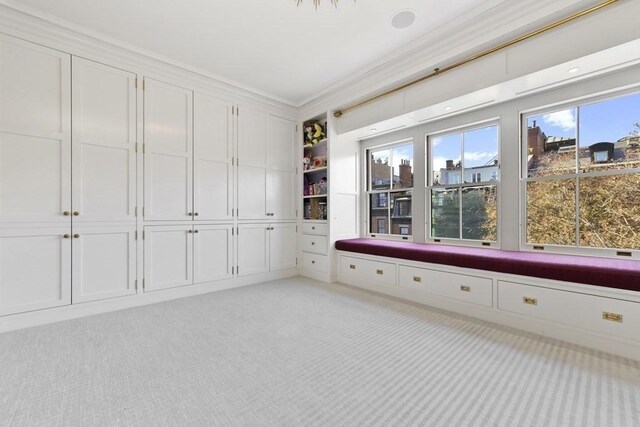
column 530, row 301
column 352, row 266
column 612, row 317
column 464, row 288
column 380, row 272
column 417, row 279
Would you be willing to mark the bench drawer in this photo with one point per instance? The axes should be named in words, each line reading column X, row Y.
column 363, row 269
column 320, row 229
column 315, row 244
column 470, row 289
column 314, row 262
column 598, row 314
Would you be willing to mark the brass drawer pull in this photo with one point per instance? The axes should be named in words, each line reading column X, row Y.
column 417, row 279
column 465, row 288
column 612, row 317
column 380, row 272
column 352, row 266
column 530, row 301
column 313, row 243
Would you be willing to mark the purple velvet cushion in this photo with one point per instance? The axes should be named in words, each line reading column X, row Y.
column 611, row 273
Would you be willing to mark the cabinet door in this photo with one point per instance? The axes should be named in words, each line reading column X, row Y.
column 281, row 144
column 252, row 137
column 253, row 241
column 104, row 142
column 282, row 246
column 103, row 262
column 35, row 133
column 213, row 252
column 35, row 269
column 281, row 200
column 212, row 159
column 252, row 192
column 168, row 257
column 168, row 139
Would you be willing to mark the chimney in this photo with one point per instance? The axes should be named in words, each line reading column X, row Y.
column 449, row 165
column 405, row 173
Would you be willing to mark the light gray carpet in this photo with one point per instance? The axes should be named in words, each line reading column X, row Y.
column 296, row 353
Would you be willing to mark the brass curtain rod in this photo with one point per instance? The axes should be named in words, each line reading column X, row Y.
column 438, row 71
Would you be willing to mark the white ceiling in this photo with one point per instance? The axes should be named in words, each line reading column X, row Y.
column 287, row 52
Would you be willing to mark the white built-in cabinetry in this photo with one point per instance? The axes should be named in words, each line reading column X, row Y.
column 113, row 183
column 266, row 166
column 266, row 247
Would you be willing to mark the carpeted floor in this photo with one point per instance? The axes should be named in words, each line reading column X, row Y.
column 295, row 353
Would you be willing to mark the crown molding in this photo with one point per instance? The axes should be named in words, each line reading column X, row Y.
column 38, row 27
column 490, row 23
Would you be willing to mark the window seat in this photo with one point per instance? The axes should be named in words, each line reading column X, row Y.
column 606, row 272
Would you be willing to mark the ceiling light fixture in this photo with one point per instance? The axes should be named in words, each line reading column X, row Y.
column 316, row 3
column 447, row 108
column 574, row 70
column 403, row 19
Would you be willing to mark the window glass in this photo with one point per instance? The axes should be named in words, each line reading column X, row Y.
column 445, row 213
column 459, row 209
column 608, row 134
column 479, row 213
column 390, row 189
column 587, row 155
column 446, row 153
column 551, row 143
column 481, row 154
column 380, row 170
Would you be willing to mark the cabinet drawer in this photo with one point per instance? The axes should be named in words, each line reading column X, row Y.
column 598, row 314
column 314, row 262
column 358, row 268
column 471, row 289
column 321, row 229
column 315, row 244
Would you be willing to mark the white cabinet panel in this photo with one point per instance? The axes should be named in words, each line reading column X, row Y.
column 168, row 187
column 35, row 269
column 35, row 133
column 607, row 316
column 213, row 252
column 315, row 262
column 315, row 244
column 253, row 256
column 281, row 139
column 281, row 195
column 252, row 187
column 213, row 154
column 104, row 138
column 282, row 246
column 168, row 257
column 103, row 262
column 252, row 137
column 168, row 139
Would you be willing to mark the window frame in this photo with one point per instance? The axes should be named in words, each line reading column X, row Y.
column 368, row 192
column 429, row 186
column 575, row 177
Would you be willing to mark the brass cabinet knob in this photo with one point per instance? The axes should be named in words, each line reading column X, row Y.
column 76, row 236
column 196, row 231
column 65, row 236
column 190, row 214
column 189, row 231
column 196, row 214
column 76, row 213
column 66, row 213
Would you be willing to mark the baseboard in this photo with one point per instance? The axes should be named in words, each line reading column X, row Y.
column 74, row 311
column 579, row 337
column 320, row 276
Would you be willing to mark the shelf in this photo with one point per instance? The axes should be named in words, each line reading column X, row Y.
column 324, row 168
column 316, row 196
column 321, row 142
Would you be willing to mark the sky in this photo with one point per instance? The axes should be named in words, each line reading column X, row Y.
column 605, row 121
